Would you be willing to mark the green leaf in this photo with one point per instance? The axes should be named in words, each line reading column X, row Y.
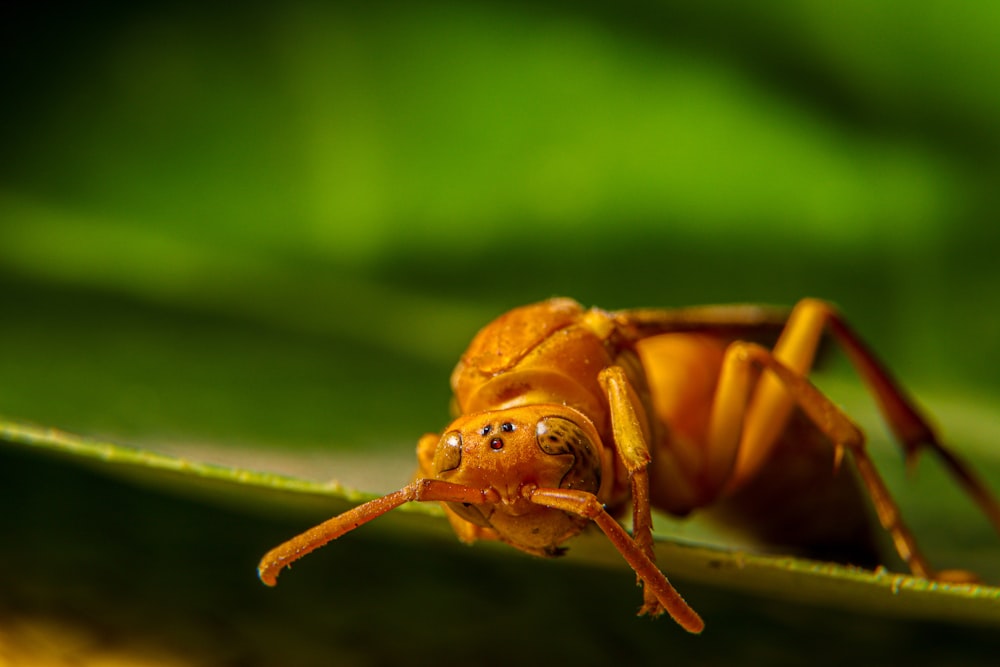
column 795, row 580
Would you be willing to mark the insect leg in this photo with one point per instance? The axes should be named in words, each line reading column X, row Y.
column 835, row 425
column 910, row 427
column 633, row 450
column 796, row 348
column 765, row 416
column 801, row 333
column 586, row 505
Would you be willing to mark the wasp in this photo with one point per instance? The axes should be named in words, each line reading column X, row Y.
column 566, row 416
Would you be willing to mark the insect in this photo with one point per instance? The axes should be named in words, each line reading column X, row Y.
column 565, row 416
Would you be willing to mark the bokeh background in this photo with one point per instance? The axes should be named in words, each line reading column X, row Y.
column 273, row 228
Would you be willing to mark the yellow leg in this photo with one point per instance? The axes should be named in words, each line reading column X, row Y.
column 834, row 424
column 768, row 410
column 770, row 405
column 655, row 583
column 633, row 450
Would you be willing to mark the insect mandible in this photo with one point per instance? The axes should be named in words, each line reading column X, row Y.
column 566, row 415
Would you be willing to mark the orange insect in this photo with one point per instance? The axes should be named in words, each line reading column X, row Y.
column 566, row 415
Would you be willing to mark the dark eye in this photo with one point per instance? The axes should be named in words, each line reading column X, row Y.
column 557, row 435
column 449, row 452
column 561, row 436
column 507, row 427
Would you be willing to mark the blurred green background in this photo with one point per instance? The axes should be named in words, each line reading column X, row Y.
column 277, row 227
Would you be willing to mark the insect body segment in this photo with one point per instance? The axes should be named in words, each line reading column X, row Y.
column 567, row 416
column 534, row 449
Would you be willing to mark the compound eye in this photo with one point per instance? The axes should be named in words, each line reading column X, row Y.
column 448, row 455
column 561, row 436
